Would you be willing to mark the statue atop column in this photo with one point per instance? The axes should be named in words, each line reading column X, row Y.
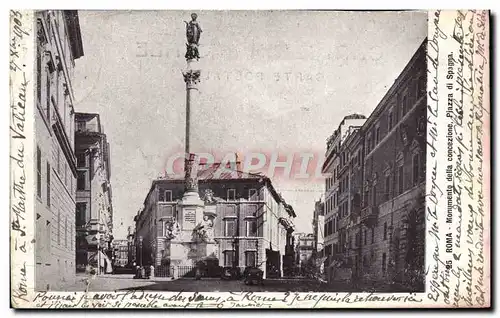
column 193, row 32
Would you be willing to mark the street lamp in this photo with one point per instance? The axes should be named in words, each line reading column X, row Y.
column 140, row 251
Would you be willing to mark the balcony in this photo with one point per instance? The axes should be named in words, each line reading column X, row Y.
column 369, row 214
column 87, row 127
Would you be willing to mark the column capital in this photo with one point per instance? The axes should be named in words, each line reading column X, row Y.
column 191, row 78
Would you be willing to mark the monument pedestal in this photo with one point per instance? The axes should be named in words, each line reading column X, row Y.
column 185, row 250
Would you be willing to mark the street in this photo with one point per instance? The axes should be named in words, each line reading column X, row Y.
column 218, row 285
column 126, row 282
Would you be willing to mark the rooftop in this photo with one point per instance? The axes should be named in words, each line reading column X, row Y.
column 214, row 172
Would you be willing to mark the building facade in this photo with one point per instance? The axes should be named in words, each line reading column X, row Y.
column 246, row 223
column 375, row 225
column 131, row 254
column 304, row 251
column 338, row 195
column 318, row 224
column 120, row 253
column 393, row 212
column 58, row 45
column 94, row 208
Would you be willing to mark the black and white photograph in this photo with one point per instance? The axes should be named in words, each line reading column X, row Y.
column 230, row 151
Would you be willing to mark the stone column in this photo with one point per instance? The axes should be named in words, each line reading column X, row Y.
column 191, row 204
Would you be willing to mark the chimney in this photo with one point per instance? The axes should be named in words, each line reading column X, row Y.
column 238, row 162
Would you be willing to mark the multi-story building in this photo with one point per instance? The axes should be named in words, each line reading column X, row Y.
column 393, row 209
column 304, row 252
column 338, row 197
column 251, row 225
column 131, row 257
column 318, row 224
column 120, row 253
column 58, row 45
column 375, row 224
column 94, row 208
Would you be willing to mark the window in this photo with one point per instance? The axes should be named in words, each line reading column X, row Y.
column 66, row 232
column 47, row 92
column 420, row 86
column 252, row 195
column 387, row 187
column 81, row 160
column 364, row 236
column 167, row 196
column 229, row 257
column 230, row 227
column 250, row 258
column 400, row 180
column 80, row 182
column 80, row 125
column 48, row 183
column 39, row 72
column 389, row 121
column 251, row 227
column 385, row 231
column 384, row 262
column 377, row 135
column 65, row 174
column 48, row 230
column 59, row 161
column 59, row 227
column 404, row 101
column 231, row 194
column 374, row 195
column 56, row 86
column 39, row 246
column 368, row 145
column 81, row 217
column 38, row 172
column 373, row 235
column 416, row 168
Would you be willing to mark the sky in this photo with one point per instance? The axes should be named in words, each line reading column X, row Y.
column 272, row 81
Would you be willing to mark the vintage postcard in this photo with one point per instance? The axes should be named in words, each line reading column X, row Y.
column 250, row 159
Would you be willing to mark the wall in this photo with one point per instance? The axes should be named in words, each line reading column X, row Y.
column 55, row 206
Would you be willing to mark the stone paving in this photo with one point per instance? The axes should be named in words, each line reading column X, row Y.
column 126, row 282
column 103, row 283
